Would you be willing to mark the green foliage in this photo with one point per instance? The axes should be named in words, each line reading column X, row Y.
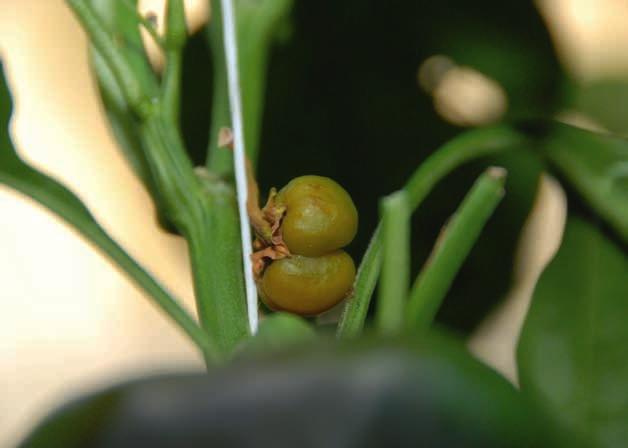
column 279, row 332
column 366, row 394
column 605, row 101
column 596, row 166
column 393, row 290
column 145, row 114
column 573, row 353
column 452, row 247
column 367, row 117
column 466, row 147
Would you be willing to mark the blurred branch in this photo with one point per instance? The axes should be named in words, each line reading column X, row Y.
column 393, row 291
column 453, row 247
column 471, row 145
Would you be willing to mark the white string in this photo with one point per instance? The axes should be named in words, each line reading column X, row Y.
column 235, row 101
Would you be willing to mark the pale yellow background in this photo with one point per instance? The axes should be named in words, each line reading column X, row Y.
column 68, row 320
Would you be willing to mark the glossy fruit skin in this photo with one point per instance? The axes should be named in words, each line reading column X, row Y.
column 320, row 216
column 307, row 285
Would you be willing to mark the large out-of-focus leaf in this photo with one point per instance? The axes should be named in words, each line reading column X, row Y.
column 279, row 331
column 605, row 101
column 573, row 352
column 384, row 394
column 58, row 199
column 595, row 165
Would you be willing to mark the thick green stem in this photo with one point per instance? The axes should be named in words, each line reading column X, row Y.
column 176, row 37
column 453, row 247
column 393, row 291
column 172, row 87
column 205, row 213
column 202, row 210
column 103, row 41
column 216, row 258
column 464, row 148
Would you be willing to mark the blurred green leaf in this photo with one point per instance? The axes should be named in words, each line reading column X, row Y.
column 279, row 331
column 573, row 352
column 59, row 200
column 369, row 394
column 605, row 101
column 596, row 165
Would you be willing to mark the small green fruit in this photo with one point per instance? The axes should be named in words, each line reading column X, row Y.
column 320, row 216
column 307, row 285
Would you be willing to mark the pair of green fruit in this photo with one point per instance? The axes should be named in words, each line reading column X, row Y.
column 320, row 220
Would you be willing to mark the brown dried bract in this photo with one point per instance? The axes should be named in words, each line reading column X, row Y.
column 266, row 222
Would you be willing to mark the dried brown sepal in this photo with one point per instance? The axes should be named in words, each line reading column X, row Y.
column 266, row 222
column 269, row 244
column 263, row 257
column 225, row 138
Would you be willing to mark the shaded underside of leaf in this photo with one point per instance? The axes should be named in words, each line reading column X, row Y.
column 594, row 164
column 573, row 352
column 369, row 394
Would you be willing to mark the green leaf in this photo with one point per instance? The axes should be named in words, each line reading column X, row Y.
column 279, row 331
column 367, row 394
column 59, row 200
column 573, row 351
column 606, row 101
column 596, row 165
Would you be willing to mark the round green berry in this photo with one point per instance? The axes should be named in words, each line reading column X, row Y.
column 307, row 285
column 320, row 216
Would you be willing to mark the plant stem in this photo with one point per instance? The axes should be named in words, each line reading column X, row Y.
column 219, row 161
column 216, row 260
column 353, row 316
column 176, row 37
column 204, row 211
column 256, row 25
column 103, row 41
column 239, row 157
column 468, row 146
column 200, row 209
column 393, row 291
column 172, row 87
column 146, row 24
column 453, row 247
